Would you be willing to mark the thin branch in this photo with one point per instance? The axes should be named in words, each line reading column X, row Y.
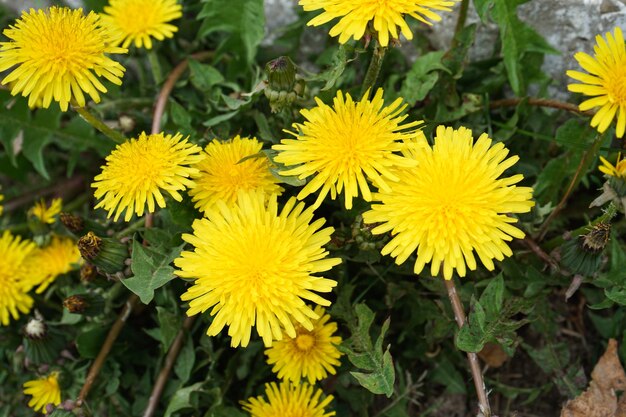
column 539, row 102
column 585, row 161
column 477, row 375
column 62, row 188
column 170, row 360
column 114, row 332
column 168, row 86
column 533, row 246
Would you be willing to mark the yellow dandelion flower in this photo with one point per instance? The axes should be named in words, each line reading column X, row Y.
column 254, row 267
column 46, row 213
column 137, row 170
column 59, row 54
column 59, row 257
column 605, row 81
column 312, row 354
column 222, row 174
column 289, row 400
column 14, row 282
column 618, row 170
column 343, row 145
column 387, row 16
column 44, row 390
column 452, row 205
column 141, row 20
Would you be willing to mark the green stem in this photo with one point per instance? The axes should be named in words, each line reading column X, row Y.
column 373, row 70
column 90, row 118
column 585, row 162
column 460, row 22
column 155, row 66
column 132, row 228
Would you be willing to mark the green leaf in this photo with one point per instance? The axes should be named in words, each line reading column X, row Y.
column 179, row 115
column 446, row 374
column 203, row 76
column 185, row 361
column 517, row 39
column 90, row 342
column 169, row 324
column 422, row 77
column 482, row 6
column 493, row 296
column 369, row 356
column 243, row 19
column 35, row 142
column 151, row 269
column 182, row 399
column 336, row 68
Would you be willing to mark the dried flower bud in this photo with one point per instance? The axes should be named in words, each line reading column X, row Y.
column 75, row 304
column 35, row 329
column 583, row 254
column 41, row 343
column 87, row 304
column 74, row 224
column 107, row 254
column 596, row 240
column 88, row 272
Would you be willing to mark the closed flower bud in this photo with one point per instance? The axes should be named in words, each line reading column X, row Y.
column 41, row 343
column 107, row 254
column 283, row 85
column 88, row 272
column 583, row 254
column 87, row 304
column 74, row 224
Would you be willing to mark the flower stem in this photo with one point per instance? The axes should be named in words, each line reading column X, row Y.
column 538, row 102
column 170, row 359
column 460, row 22
column 115, row 330
column 90, row 118
column 477, row 375
column 586, row 161
column 373, row 70
column 155, row 66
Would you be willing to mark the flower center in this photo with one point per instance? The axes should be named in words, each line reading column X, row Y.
column 616, row 84
column 305, row 341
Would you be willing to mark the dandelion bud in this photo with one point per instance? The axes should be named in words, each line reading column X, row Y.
column 108, row 255
column 87, row 304
column 74, row 224
column 41, row 344
column 88, row 272
column 583, row 254
column 283, row 86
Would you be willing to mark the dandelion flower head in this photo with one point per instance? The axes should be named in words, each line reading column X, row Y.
column 312, row 354
column 223, row 173
column 46, row 213
column 14, row 280
column 139, row 169
column 44, row 390
column 343, row 146
column 604, row 82
column 452, row 205
column 141, row 20
column 386, row 16
column 59, row 257
column 59, row 54
column 289, row 400
column 618, row 170
column 254, row 267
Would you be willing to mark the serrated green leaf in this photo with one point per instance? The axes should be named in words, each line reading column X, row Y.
column 492, row 297
column 151, row 270
column 517, row 39
column 181, row 399
column 169, row 324
column 422, row 77
column 204, row 76
column 185, row 360
column 379, row 382
column 243, row 19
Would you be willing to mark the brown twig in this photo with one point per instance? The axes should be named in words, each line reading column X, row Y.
column 130, row 304
column 477, row 375
column 539, row 102
column 168, row 86
column 63, row 188
column 170, row 360
column 586, row 159
column 533, row 246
